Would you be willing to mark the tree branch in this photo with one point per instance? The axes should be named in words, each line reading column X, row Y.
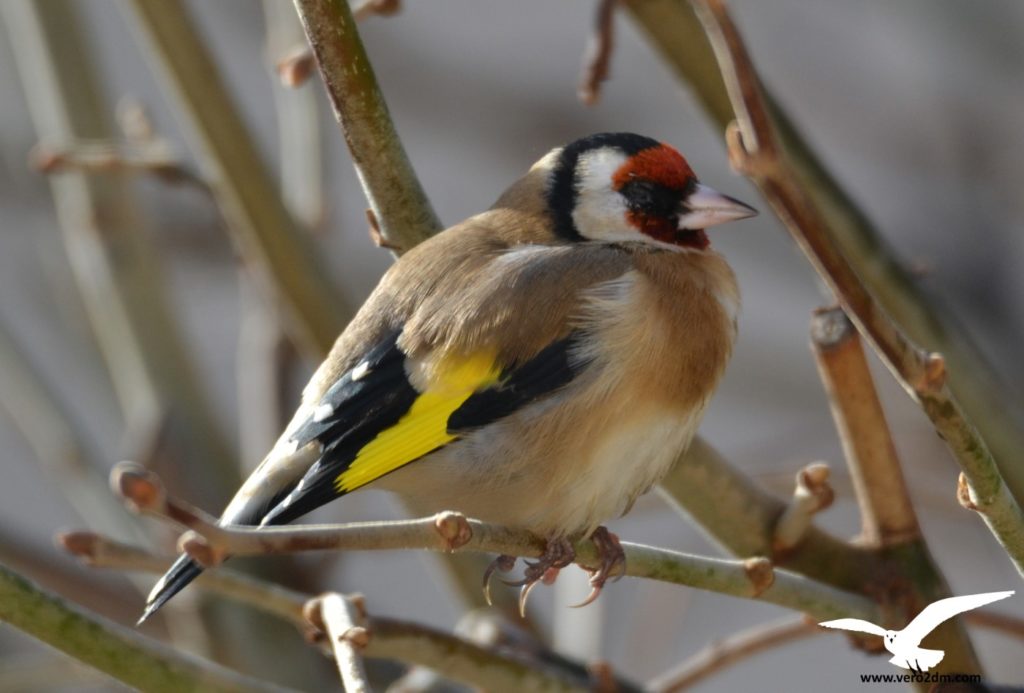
column 887, row 512
column 744, row 518
column 402, row 209
column 209, row 543
column 756, row 151
column 464, row 661
column 888, row 518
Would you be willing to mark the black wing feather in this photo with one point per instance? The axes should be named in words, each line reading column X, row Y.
column 363, row 408
column 553, row 367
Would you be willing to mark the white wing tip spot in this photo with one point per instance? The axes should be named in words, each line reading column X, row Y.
column 360, row 371
column 323, row 412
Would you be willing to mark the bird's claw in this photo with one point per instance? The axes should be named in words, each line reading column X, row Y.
column 504, row 564
column 612, row 566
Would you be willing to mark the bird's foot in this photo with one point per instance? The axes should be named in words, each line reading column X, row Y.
column 612, row 563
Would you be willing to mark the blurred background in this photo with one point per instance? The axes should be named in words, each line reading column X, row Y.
column 915, row 106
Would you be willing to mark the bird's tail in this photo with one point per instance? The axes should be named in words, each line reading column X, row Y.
column 184, row 571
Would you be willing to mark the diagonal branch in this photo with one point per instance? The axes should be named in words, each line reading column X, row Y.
column 888, row 518
column 122, row 653
column 887, row 512
column 755, row 150
column 722, row 654
column 674, row 30
column 396, row 197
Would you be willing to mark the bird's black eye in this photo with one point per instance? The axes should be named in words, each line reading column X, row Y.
column 650, row 199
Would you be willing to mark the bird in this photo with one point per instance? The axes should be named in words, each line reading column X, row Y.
column 905, row 644
column 539, row 365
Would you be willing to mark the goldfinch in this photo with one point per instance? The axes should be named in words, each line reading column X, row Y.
column 539, row 365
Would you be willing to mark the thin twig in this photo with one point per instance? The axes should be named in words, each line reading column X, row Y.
column 124, row 654
column 98, row 551
column 598, row 58
column 296, row 67
column 459, row 659
column 209, row 543
column 378, row 8
column 755, row 151
column 343, row 619
column 811, row 494
column 721, row 654
column 395, row 194
column 887, row 512
column 101, row 156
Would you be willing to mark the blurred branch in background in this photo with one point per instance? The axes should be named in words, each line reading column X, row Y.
column 116, row 268
column 673, row 29
column 724, row 653
column 154, row 158
column 59, row 445
column 278, row 254
column 122, row 653
column 598, row 58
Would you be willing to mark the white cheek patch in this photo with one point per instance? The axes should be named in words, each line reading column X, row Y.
column 600, row 213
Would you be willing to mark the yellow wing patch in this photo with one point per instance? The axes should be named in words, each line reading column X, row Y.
column 424, row 427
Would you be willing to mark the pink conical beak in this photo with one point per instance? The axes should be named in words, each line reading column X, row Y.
column 707, row 207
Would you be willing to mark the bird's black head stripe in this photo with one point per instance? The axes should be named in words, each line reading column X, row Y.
column 562, row 191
